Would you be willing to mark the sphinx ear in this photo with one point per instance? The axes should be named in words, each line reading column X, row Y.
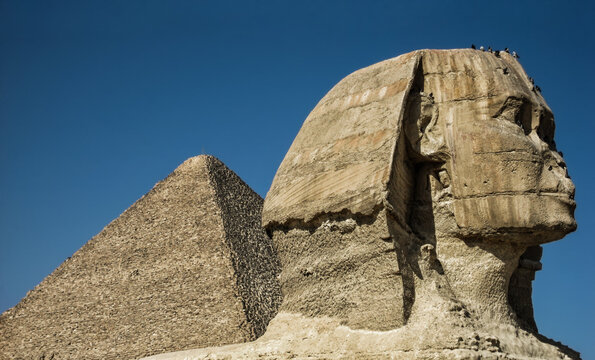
column 425, row 138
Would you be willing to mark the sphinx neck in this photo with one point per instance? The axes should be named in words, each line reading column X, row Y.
column 479, row 274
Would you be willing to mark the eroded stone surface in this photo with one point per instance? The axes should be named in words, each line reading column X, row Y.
column 186, row 266
column 346, row 253
column 341, row 158
column 292, row 336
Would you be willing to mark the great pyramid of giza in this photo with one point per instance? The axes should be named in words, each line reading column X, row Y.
column 188, row 265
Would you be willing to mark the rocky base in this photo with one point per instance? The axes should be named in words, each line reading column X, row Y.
column 292, row 336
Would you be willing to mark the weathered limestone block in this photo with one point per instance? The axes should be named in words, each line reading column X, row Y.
column 408, row 215
column 188, row 265
column 343, row 269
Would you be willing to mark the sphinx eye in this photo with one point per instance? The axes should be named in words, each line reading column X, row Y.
column 523, row 117
column 519, row 121
column 518, row 111
column 546, row 129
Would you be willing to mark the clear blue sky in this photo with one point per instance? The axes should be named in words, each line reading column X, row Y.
column 99, row 100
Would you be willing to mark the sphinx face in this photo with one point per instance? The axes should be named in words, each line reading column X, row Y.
column 508, row 181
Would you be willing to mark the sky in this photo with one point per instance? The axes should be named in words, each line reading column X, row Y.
column 99, row 100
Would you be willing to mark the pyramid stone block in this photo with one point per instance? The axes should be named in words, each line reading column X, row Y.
column 188, row 265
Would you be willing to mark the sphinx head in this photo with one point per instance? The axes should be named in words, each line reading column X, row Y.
column 452, row 149
column 490, row 135
column 482, row 139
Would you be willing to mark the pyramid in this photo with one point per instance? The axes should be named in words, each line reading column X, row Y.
column 188, row 265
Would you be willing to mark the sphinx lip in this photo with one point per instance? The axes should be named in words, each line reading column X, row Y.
column 567, row 198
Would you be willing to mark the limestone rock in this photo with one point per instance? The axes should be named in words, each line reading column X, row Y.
column 188, row 265
column 292, row 336
column 408, row 216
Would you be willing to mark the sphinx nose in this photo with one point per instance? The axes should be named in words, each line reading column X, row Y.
column 555, row 176
column 559, row 164
column 567, row 187
column 559, row 160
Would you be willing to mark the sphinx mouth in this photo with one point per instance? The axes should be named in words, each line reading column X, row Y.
column 565, row 197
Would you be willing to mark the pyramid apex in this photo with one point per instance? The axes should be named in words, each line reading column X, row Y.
column 197, row 162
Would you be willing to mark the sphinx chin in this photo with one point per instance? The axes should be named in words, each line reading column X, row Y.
column 528, row 219
column 560, row 216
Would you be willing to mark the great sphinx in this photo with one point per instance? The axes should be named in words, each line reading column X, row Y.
column 409, row 212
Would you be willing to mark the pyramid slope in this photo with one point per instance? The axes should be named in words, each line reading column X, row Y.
column 160, row 277
column 253, row 256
